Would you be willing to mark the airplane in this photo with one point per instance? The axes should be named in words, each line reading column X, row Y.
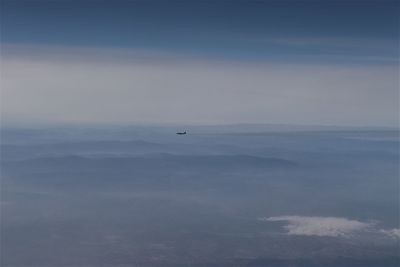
column 181, row 133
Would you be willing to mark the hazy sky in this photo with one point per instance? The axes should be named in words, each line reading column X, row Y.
column 200, row 62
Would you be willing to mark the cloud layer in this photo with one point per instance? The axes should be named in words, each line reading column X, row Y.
column 123, row 86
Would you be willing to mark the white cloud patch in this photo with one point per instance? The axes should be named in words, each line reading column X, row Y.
column 320, row 226
column 331, row 226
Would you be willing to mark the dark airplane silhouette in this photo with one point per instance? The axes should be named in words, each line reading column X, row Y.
column 181, row 133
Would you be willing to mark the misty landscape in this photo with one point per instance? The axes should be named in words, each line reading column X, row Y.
column 242, row 195
column 199, row 133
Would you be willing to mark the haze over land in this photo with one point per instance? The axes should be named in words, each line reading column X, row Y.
column 146, row 196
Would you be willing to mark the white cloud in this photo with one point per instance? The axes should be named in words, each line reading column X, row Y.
column 320, row 226
column 331, row 226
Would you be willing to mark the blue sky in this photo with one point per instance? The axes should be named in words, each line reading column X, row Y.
column 237, row 38
column 256, row 30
